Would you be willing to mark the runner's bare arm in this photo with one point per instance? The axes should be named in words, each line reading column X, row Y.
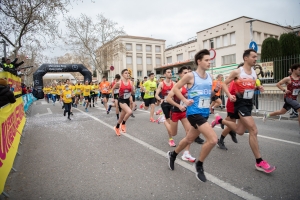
column 285, row 80
column 233, row 75
column 172, row 102
column 158, row 91
column 114, row 87
column 186, row 79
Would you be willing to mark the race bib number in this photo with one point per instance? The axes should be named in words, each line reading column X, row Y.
column 116, row 91
column 151, row 93
column 68, row 96
column 248, row 94
column 78, row 91
column 296, row 91
column 204, row 102
column 127, row 95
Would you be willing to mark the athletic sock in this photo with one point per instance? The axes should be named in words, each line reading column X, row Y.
column 174, row 154
column 123, row 122
column 117, row 116
column 222, row 138
column 118, row 126
column 199, row 163
column 258, row 160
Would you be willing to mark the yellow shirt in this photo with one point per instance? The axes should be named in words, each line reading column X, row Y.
column 59, row 89
column 53, row 90
column 87, row 90
column 78, row 89
column 67, row 96
column 47, row 90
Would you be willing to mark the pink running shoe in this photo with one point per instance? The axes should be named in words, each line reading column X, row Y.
column 265, row 167
column 142, row 106
column 159, row 112
column 172, row 143
column 216, row 121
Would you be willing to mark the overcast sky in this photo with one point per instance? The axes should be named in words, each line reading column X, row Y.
column 178, row 20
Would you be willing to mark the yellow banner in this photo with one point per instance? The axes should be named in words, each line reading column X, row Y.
column 12, row 80
column 12, row 121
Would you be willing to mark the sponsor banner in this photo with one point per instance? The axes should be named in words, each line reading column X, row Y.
column 12, row 80
column 225, row 70
column 12, row 121
column 28, row 99
column 265, row 70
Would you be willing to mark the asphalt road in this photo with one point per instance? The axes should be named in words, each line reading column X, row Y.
column 84, row 159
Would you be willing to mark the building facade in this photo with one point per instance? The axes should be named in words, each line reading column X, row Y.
column 229, row 40
column 142, row 55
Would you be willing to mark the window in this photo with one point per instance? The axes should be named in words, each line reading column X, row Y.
column 229, row 59
column 192, row 54
column 213, row 63
column 149, row 72
column 139, row 47
column 180, row 57
column 139, row 60
column 128, row 59
column 128, row 47
column 148, row 48
column 232, row 38
column 139, row 73
column 149, row 60
column 158, row 61
column 205, row 44
column 157, row 49
column 258, row 39
column 169, row 59
column 211, row 41
column 218, row 42
column 225, row 42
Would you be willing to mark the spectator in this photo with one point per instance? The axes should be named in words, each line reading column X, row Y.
column 24, row 90
column 6, row 96
column 255, row 97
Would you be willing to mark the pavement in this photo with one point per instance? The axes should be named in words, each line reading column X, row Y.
column 84, row 159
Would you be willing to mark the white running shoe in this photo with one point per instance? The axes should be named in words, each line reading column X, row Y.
column 161, row 119
column 187, row 157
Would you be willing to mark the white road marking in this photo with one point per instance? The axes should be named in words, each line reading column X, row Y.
column 47, row 113
column 227, row 186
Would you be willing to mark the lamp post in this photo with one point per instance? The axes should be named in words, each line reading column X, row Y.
column 4, row 47
column 251, row 30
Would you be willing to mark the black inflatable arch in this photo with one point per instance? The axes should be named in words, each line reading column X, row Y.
column 44, row 68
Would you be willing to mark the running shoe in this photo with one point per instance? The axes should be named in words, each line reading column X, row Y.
column 86, row 110
column 152, row 120
column 71, row 113
column 221, row 145
column 161, row 119
column 172, row 143
column 101, row 101
column 171, row 160
column 123, row 128
column 109, row 108
column 132, row 115
column 93, row 105
column 199, row 140
column 266, row 116
column 107, row 112
column 187, row 157
column 233, row 136
column 117, row 130
column 64, row 113
column 142, row 106
column 53, row 104
column 265, row 167
column 69, row 118
column 216, row 121
column 83, row 104
column 200, row 173
column 159, row 112
column 293, row 116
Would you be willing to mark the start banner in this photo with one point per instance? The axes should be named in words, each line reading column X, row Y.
column 12, row 80
column 12, row 121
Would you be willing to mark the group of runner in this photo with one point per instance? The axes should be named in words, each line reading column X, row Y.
column 190, row 100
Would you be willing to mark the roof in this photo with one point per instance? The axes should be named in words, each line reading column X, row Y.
column 247, row 18
column 139, row 37
column 182, row 44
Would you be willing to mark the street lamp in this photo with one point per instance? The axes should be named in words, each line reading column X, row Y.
column 251, row 31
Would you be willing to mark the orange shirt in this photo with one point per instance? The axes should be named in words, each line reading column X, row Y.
column 104, row 87
column 214, row 85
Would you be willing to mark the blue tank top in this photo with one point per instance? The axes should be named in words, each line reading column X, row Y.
column 200, row 92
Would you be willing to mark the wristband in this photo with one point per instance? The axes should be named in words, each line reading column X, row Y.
column 283, row 90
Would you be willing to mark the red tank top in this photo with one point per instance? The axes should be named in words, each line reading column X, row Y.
column 245, row 84
column 294, row 87
column 166, row 89
column 229, row 104
column 177, row 100
column 124, row 90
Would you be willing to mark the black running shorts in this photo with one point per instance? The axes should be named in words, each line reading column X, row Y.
column 290, row 103
column 197, row 120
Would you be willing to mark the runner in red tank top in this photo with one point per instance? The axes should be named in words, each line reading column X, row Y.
column 290, row 94
column 244, row 79
column 125, row 90
column 178, row 112
column 164, row 88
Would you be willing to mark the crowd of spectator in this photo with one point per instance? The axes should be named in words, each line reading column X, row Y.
column 12, row 67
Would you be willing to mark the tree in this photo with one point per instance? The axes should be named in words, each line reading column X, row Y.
column 270, row 48
column 30, row 20
column 97, row 41
column 289, row 44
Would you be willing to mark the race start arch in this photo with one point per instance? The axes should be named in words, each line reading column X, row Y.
column 44, row 68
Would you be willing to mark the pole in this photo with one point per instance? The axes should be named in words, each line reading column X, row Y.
column 251, row 32
column 4, row 47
